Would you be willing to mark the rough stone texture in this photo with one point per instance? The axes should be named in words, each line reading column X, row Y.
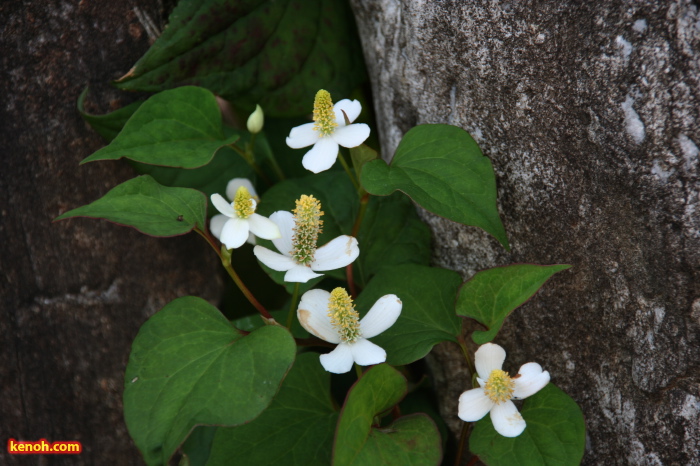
column 589, row 112
column 74, row 293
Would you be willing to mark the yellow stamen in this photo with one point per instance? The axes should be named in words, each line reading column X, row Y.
column 499, row 386
column 307, row 226
column 243, row 203
column 324, row 116
column 343, row 315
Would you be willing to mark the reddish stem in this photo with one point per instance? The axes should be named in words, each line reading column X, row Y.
column 351, row 282
column 236, row 279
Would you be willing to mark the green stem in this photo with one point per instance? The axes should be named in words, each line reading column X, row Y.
column 364, row 202
column 292, row 306
column 358, row 370
column 465, row 352
column 275, row 167
column 248, row 157
column 348, row 171
column 226, row 261
column 265, row 147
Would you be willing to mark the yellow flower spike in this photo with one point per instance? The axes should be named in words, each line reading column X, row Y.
column 308, row 223
column 499, row 386
column 343, row 315
column 324, row 115
column 243, row 203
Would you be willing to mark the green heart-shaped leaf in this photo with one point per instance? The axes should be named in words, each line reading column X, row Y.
column 427, row 315
column 275, row 53
column 110, row 124
column 209, row 179
column 555, row 434
column 391, row 233
column 491, row 295
column 152, row 209
column 190, row 366
column 442, row 169
column 410, row 440
column 297, row 428
column 177, row 128
column 360, row 155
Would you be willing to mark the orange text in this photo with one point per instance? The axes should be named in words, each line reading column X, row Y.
column 42, row 447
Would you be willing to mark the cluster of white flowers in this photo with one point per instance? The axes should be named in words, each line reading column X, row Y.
column 332, row 316
column 328, row 316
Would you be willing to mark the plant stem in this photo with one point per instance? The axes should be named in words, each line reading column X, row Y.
column 465, row 352
column 466, row 428
column 248, row 157
column 226, row 261
column 265, row 147
column 364, row 201
column 246, row 292
column 351, row 281
column 473, row 461
column 292, row 306
column 358, row 370
column 347, row 170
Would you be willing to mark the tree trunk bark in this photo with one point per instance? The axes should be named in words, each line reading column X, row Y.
column 589, row 113
column 75, row 292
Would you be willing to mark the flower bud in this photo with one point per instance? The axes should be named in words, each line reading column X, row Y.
column 256, row 120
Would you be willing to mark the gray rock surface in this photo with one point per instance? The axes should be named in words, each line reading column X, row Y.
column 589, row 112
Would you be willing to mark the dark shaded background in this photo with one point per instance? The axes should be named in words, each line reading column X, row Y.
column 74, row 293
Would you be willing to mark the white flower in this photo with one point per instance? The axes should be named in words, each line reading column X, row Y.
column 497, row 389
column 239, row 220
column 297, row 244
column 332, row 317
column 328, row 131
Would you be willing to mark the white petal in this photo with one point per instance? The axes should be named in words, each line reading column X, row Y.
column 352, row 109
column 473, row 405
column 487, row 358
column 351, row 136
column 338, row 361
column 366, row 353
column 532, row 379
column 322, row 156
column 285, row 221
column 235, row 233
column 216, row 224
column 300, row 274
column 251, row 238
column 335, row 254
column 274, row 260
column 222, row 206
column 313, row 315
column 263, row 227
column 302, row 136
column 507, row 420
column 381, row 316
column 236, row 183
